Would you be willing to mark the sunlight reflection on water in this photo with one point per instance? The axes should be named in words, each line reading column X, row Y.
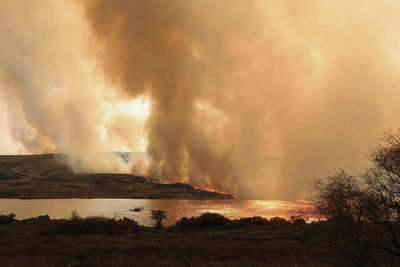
column 175, row 208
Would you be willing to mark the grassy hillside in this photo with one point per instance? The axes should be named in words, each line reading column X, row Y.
column 49, row 176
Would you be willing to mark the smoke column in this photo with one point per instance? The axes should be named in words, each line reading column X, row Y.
column 53, row 99
column 253, row 97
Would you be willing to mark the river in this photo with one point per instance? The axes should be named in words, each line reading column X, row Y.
column 175, row 208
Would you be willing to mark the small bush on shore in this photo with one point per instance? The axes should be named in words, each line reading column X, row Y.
column 204, row 221
column 298, row 222
column 208, row 221
column 94, row 225
column 278, row 222
column 256, row 220
column 43, row 219
column 6, row 219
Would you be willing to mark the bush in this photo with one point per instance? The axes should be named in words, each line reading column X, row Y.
column 298, row 222
column 6, row 219
column 93, row 225
column 278, row 222
column 256, row 220
column 43, row 219
column 204, row 221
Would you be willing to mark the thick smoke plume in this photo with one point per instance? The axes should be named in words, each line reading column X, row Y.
column 232, row 82
column 54, row 102
column 253, row 97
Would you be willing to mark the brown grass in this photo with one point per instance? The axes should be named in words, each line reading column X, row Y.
column 151, row 249
column 208, row 240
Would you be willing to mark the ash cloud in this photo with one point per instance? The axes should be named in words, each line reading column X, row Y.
column 253, row 97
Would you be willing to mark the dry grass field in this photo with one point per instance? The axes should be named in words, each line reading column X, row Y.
column 45, row 242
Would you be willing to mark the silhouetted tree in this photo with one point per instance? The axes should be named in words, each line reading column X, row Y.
column 158, row 216
column 383, row 177
column 338, row 196
column 343, row 197
column 373, row 202
column 350, row 208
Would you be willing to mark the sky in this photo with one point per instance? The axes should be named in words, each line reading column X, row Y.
column 257, row 98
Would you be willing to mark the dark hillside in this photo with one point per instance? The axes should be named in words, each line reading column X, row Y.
column 49, row 176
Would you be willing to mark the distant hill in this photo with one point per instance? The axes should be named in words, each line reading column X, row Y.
column 49, row 176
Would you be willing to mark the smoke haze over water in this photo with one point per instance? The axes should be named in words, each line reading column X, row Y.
column 253, row 97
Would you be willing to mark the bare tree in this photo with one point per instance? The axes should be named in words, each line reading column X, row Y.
column 338, row 196
column 383, row 177
column 371, row 204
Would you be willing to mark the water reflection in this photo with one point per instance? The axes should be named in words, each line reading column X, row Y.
column 175, row 208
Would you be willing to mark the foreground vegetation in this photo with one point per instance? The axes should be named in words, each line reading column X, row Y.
column 210, row 239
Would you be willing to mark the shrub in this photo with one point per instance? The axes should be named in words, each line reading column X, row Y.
column 6, row 219
column 204, row 221
column 256, row 220
column 276, row 221
column 298, row 222
column 43, row 219
column 93, row 225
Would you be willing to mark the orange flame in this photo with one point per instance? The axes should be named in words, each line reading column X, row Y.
column 210, row 189
column 206, row 188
